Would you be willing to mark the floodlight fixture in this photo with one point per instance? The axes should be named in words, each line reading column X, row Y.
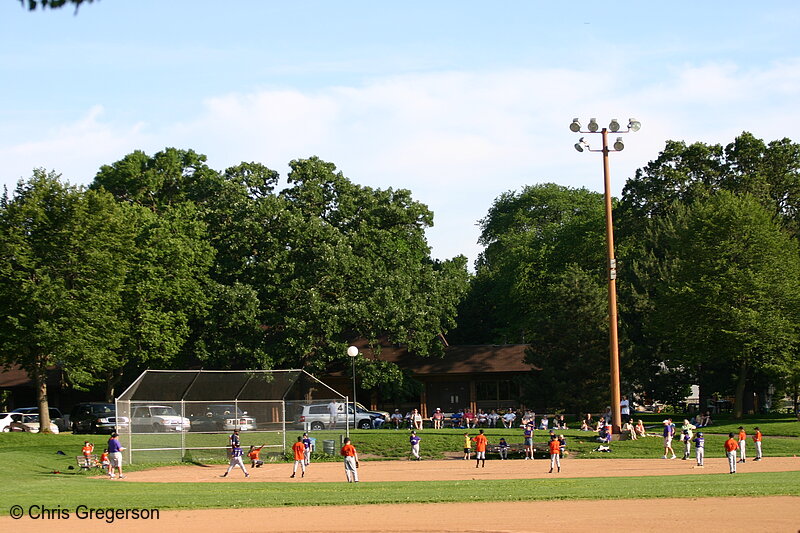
column 575, row 126
column 613, row 127
column 634, row 124
column 593, row 125
column 619, row 145
column 580, row 144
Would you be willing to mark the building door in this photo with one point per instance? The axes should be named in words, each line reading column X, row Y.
column 450, row 396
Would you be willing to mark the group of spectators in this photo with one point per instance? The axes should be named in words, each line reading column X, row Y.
column 467, row 419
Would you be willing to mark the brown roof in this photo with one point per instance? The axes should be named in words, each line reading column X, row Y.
column 14, row 377
column 469, row 359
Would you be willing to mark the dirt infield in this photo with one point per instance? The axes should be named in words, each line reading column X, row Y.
column 773, row 514
column 459, row 469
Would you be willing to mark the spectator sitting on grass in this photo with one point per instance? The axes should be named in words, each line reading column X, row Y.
column 628, row 428
column 605, row 434
column 544, row 423
column 640, row 431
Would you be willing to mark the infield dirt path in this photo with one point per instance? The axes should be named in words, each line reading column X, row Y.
column 460, row 469
column 767, row 514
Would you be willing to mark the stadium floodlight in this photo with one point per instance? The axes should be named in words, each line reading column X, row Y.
column 582, row 146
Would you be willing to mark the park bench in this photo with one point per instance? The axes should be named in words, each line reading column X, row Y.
column 92, row 462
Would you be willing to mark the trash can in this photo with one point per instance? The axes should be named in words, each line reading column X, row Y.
column 329, row 447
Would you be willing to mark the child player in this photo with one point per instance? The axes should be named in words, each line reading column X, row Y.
column 350, row 461
column 528, row 436
column 757, row 440
column 299, row 450
column 236, row 460
column 309, row 445
column 414, row 441
column 742, row 444
column 502, row 448
column 730, row 452
column 105, row 462
column 254, row 455
column 467, row 446
column 480, row 449
column 700, row 449
column 555, row 453
column 87, row 450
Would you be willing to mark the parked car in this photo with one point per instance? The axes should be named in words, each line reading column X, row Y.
column 5, row 422
column 316, row 416
column 96, row 417
column 158, row 418
column 28, row 423
column 55, row 416
column 360, row 407
column 222, row 416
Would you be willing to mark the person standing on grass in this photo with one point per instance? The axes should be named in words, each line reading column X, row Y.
column 87, row 451
column 555, row 453
column 480, row 449
column 308, row 446
column 414, row 440
column 742, row 444
column 669, row 432
column 527, row 434
column 757, row 440
column 699, row 449
column 299, row 450
column 115, row 456
column 350, row 461
column 730, row 452
column 467, row 446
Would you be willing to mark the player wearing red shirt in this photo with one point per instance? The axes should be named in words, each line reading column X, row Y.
column 730, row 452
column 742, row 444
column 757, row 439
column 555, row 453
column 480, row 448
column 299, row 450
column 350, row 461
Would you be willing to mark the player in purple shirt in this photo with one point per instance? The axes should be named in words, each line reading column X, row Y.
column 236, row 460
column 414, row 440
column 115, row 455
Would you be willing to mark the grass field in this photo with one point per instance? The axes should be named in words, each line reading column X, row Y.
column 27, row 462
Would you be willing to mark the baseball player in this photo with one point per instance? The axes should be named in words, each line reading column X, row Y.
column 350, row 461
column 299, row 450
column 236, row 460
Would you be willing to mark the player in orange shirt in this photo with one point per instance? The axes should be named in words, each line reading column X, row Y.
column 87, row 450
column 254, row 455
column 350, row 461
column 742, row 444
column 480, row 448
column 757, row 439
column 730, row 452
column 299, row 450
column 105, row 462
column 555, row 453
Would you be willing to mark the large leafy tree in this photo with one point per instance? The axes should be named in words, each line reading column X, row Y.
column 64, row 258
column 301, row 272
column 729, row 294
column 654, row 205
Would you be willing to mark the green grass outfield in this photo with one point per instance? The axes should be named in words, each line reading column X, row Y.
column 28, row 460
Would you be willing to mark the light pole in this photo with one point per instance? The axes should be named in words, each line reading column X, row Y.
column 352, row 351
column 581, row 145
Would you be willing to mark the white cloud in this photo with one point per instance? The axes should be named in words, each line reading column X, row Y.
column 456, row 139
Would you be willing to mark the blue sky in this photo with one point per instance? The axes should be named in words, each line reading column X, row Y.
column 458, row 101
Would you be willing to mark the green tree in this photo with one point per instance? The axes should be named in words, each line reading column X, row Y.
column 64, row 257
column 732, row 297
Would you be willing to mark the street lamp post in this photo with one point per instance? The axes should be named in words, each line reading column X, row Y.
column 581, row 145
column 352, row 351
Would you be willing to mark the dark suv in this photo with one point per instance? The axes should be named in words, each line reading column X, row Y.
column 96, row 417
